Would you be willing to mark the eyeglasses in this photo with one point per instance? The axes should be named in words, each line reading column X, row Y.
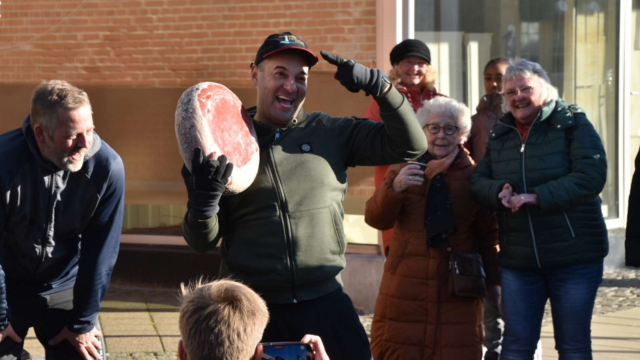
column 448, row 129
column 525, row 91
column 409, row 64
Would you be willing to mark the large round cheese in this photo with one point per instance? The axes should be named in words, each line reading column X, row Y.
column 212, row 117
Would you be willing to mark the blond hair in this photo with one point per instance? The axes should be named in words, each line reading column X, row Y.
column 447, row 108
column 51, row 96
column 428, row 81
column 221, row 320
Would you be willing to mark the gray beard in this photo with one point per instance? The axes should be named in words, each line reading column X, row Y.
column 64, row 163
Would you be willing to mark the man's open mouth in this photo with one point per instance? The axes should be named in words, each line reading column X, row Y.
column 77, row 156
column 284, row 101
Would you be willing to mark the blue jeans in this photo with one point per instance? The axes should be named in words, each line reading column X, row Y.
column 572, row 292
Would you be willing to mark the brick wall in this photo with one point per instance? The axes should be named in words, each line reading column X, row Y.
column 168, row 43
column 135, row 58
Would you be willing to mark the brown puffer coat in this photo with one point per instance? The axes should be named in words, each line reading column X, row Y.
column 373, row 113
column 416, row 318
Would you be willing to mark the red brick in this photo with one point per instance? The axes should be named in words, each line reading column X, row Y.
column 154, row 3
column 142, row 41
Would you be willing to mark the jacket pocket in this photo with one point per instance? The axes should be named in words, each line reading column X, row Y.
column 257, row 256
column 318, row 243
column 566, row 217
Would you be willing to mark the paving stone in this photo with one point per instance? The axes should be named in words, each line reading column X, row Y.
column 138, row 344
column 118, row 356
column 170, row 342
column 167, row 355
column 143, row 356
column 166, row 323
column 32, row 344
column 150, row 317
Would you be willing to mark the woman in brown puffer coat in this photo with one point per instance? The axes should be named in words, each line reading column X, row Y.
column 417, row 317
column 415, row 78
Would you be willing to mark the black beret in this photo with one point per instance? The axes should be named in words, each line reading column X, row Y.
column 410, row 47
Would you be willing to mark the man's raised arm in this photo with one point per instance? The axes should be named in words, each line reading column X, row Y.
column 368, row 143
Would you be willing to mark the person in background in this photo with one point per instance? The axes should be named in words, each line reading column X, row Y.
column 632, row 241
column 224, row 320
column 417, row 316
column 414, row 77
column 489, row 110
column 543, row 171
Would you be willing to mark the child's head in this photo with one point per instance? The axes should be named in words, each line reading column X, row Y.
column 220, row 320
column 493, row 72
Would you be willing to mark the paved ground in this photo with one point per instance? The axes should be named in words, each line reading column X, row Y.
column 143, row 323
column 614, row 336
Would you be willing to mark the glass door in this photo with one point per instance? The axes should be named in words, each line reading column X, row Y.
column 575, row 41
column 634, row 81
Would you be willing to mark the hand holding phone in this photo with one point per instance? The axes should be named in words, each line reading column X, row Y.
column 309, row 348
column 320, row 353
column 284, row 351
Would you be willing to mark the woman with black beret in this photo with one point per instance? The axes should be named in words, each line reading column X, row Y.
column 414, row 77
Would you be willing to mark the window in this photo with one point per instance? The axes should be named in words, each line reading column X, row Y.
column 575, row 41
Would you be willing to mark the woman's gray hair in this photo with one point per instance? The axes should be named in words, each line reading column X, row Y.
column 448, row 108
column 529, row 69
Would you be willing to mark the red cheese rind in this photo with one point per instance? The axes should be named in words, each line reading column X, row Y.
column 210, row 116
column 229, row 123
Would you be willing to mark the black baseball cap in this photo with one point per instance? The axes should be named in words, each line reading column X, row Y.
column 284, row 41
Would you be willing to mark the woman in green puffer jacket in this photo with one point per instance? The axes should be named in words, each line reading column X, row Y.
column 544, row 169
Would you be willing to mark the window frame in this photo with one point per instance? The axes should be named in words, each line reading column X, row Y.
column 397, row 17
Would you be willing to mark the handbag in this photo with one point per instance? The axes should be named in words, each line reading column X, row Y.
column 467, row 275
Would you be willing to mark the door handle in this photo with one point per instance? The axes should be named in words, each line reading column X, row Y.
column 635, row 93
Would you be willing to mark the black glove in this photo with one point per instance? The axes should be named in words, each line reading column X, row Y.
column 356, row 77
column 205, row 184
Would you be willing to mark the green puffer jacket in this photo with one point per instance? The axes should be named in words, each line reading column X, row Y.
column 283, row 236
column 563, row 162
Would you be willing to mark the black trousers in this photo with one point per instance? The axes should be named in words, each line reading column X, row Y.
column 332, row 317
column 47, row 314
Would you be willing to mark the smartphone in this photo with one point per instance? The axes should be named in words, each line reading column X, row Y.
column 284, row 351
column 422, row 166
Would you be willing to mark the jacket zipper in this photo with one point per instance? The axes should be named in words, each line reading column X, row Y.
column 505, row 228
column 524, row 184
column 285, row 219
column 47, row 225
column 573, row 234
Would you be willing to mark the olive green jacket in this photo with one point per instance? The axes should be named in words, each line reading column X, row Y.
column 563, row 162
column 283, row 236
